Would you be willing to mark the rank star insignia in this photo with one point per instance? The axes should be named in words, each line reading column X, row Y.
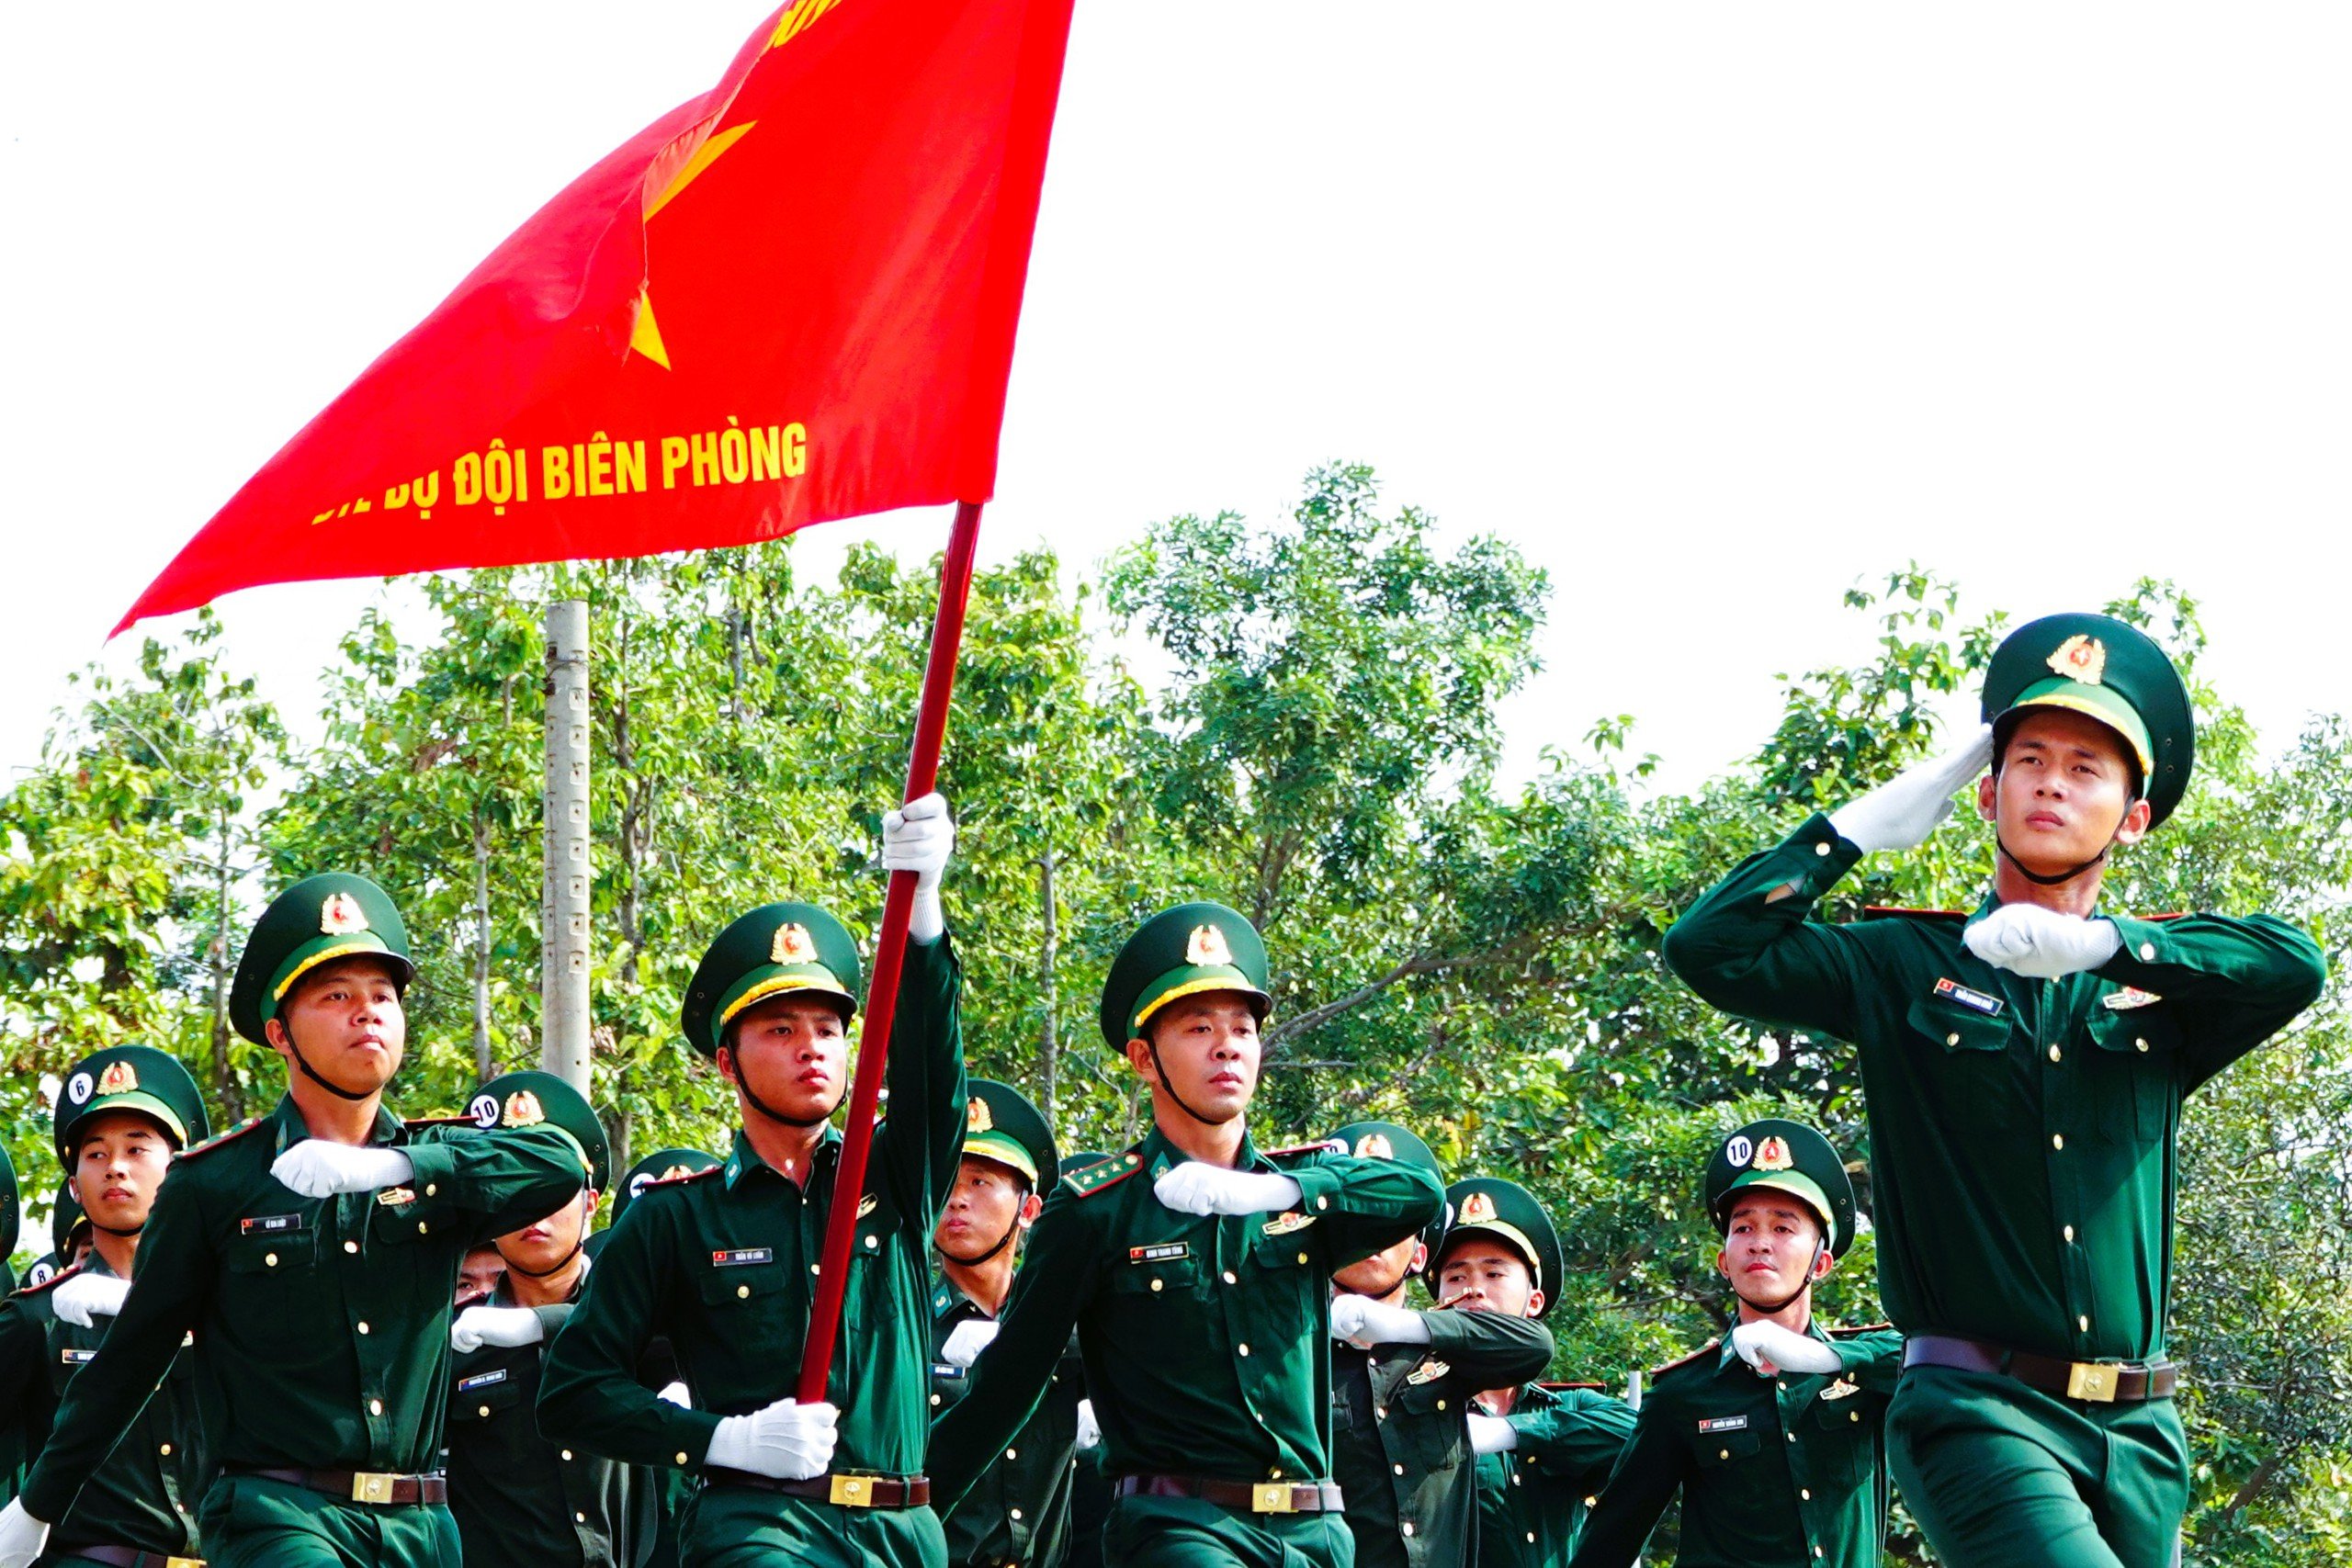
column 1206, row 946
column 976, row 1118
column 341, row 915
column 523, row 1109
column 1375, row 1145
column 119, row 1078
column 792, row 944
column 1478, row 1209
column 1772, row 1153
column 1428, row 1371
column 2081, row 658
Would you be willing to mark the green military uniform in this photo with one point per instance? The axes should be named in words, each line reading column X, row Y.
column 723, row 1264
column 1532, row 1496
column 1017, row 1514
column 516, row 1496
column 1773, row 1472
column 1204, row 1339
column 1400, row 1440
column 2022, row 1136
column 321, row 1326
column 1089, row 1488
column 142, row 1497
column 69, row 1235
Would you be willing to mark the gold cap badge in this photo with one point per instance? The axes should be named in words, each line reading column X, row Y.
column 792, row 944
column 1375, row 1145
column 1772, row 1153
column 523, row 1109
column 341, row 915
column 1206, row 946
column 976, row 1118
column 1478, row 1209
column 2081, row 658
column 119, row 1078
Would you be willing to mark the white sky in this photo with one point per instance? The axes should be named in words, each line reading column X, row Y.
column 1712, row 310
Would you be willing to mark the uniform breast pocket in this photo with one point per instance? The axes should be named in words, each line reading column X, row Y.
column 1966, row 1057
column 254, row 1262
column 1427, row 1416
column 1148, row 1287
column 1844, row 1438
column 742, row 1299
column 2135, row 1089
column 1723, row 1447
column 483, row 1396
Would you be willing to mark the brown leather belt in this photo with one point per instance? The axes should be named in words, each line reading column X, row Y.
column 845, row 1490
column 1249, row 1496
column 127, row 1557
column 2096, row 1383
column 362, row 1485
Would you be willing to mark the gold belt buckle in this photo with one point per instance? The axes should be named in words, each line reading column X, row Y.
column 182, row 1563
column 371, row 1486
column 852, row 1491
column 1273, row 1497
column 2093, row 1381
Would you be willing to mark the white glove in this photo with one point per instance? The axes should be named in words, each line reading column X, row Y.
column 2025, row 939
column 480, row 1326
column 919, row 837
column 967, row 1340
column 1089, row 1430
column 316, row 1169
column 1363, row 1322
column 788, row 1440
column 1196, row 1188
column 1773, row 1349
column 1491, row 1435
column 1902, row 812
column 21, row 1536
column 86, row 1296
column 677, row 1393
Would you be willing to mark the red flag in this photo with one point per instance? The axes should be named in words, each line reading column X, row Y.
column 788, row 301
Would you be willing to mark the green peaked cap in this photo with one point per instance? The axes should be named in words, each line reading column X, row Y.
column 659, row 1165
column 1492, row 1206
column 530, row 1097
column 2110, row 670
column 11, row 1210
column 999, row 1123
column 336, row 915
column 1386, row 1140
column 1786, row 1156
column 1177, row 953
column 129, row 1078
column 775, row 949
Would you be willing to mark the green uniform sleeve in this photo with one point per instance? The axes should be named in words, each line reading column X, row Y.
column 1649, row 1473
column 1487, row 1350
column 1056, row 1280
column 1363, row 1205
column 1578, row 1440
column 589, row 1394
column 922, row 1143
column 498, row 1180
column 1761, row 957
column 552, row 1319
column 23, row 1374
column 2232, row 983
column 1872, row 1359
column 167, row 1298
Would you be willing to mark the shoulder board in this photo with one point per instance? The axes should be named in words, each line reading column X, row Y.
column 681, row 1179
column 446, row 1119
column 1898, row 912
column 1566, row 1387
column 49, row 1284
column 1318, row 1147
column 1104, row 1175
column 1709, row 1348
column 2170, row 915
column 214, row 1142
column 1848, row 1332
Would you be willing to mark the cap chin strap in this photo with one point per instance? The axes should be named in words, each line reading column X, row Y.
column 558, row 1267
column 312, row 1073
column 125, row 1235
column 1002, row 1242
column 743, row 1086
column 1169, row 1090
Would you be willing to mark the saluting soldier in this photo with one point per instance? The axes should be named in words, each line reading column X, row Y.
column 314, row 1253
column 1017, row 1514
column 518, row 1497
column 1775, row 1439
column 2025, row 1068
column 1401, row 1385
column 1542, row 1448
column 1200, row 1292
column 723, row 1262
column 120, row 1114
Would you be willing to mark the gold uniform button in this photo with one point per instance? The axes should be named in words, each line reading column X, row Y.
column 1013, row 1453
column 1275, row 1474
column 567, row 1453
column 421, row 1227
column 1230, row 1278
column 375, row 1407
column 1242, row 1349
column 2053, row 1052
column 2057, row 1140
column 2139, row 1044
column 362, row 1327
column 165, row 1450
column 1322, row 1202
column 873, row 1241
column 2070, row 1235
column 2147, row 953
column 1952, row 1039
column 1156, row 1284
column 1302, row 1258
column 742, row 1291
column 484, row 1411
column 351, row 1247
column 934, row 1399
column 1406, row 1528
column 1397, row 1468
column 1531, row 1538
column 1820, row 849
column 2084, row 1323
column 1440, row 1405
column 1014, row 1512
column 681, row 1458
column 1793, row 1437
column 1853, row 1415
column 1720, row 1453
column 1805, row 1494
column 579, row 1517
column 270, row 1258
column 1380, row 1413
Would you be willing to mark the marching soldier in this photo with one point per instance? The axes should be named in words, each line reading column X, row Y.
column 1017, row 1514
column 2025, row 1068
column 1401, row 1385
column 1199, row 1292
column 314, row 1253
column 723, row 1262
column 120, row 1114
column 516, row 1496
column 1776, row 1438
column 1542, row 1448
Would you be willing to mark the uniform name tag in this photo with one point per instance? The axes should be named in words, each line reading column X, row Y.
column 270, row 1224
column 2128, row 997
column 1989, row 1005
column 735, row 1257
column 1723, row 1423
column 481, row 1380
column 1161, row 1252
column 946, row 1370
column 77, row 1358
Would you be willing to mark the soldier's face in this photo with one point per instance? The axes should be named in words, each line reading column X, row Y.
column 793, row 1052
column 477, row 1275
column 1208, row 1045
column 2062, row 791
column 1380, row 1273
column 1771, row 1248
column 346, row 1017
column 1478, row 1275
column 987, row 1201
column 549, row 1244
column 117, row 1166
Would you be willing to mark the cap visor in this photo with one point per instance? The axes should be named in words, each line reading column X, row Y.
column 2094, row 702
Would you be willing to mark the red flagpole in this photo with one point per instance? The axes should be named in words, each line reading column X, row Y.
column 889, row 951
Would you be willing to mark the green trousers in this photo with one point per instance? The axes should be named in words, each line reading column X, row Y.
column 2000, row 1475
column 740, row 1526
column 1184, row 1532
column 247, row 1522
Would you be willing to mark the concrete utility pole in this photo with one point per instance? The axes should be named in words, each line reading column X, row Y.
column 563, row 902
